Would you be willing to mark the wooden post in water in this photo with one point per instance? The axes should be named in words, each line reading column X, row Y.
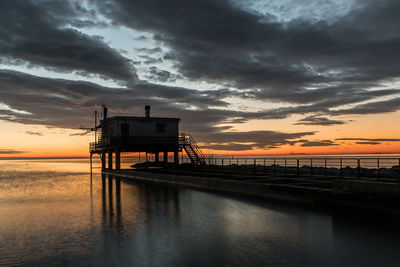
column 358, row 168
column 110, row 157
column 298, row 167
column 117, row 159
column 165, row 157
column 103, row 159
column 91, row 172
column 176, row 157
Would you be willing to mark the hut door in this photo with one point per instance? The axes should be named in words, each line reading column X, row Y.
column 124, row 129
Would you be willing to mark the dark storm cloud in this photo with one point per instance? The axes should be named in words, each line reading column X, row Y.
column 315, row 120
column 160, row 75
column 217, row 41
column 250, row 140
column 66, row 103
column 371, row 108
column 37, row 32
column 229, row 146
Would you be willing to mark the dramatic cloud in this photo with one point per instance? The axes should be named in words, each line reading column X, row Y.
column 66, row 103
column 250, row 140
column 220, row 41
column 36, row 32
column 371, row 108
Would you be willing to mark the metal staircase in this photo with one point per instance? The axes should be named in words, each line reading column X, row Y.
column 193, row 151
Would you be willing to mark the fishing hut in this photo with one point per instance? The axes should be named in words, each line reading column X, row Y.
column 152, row 135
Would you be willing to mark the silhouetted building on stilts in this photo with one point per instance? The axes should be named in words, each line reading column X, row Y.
column 147, row 134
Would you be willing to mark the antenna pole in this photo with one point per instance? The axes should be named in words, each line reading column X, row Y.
column 95, row 126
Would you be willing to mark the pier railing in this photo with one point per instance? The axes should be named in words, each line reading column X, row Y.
column 371, row 168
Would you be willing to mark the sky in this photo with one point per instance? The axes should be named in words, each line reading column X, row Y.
column 246, row 77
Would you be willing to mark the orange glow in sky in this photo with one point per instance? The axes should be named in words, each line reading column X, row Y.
column 24, row 140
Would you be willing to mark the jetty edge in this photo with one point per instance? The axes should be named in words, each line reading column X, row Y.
column 343, row 195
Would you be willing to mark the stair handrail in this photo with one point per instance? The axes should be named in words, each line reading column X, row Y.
column 196, row 148
column 188, row 140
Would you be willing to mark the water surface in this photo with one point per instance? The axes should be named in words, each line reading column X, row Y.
column 52, row 213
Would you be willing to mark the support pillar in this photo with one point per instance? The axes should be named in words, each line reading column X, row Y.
column 91, row 165
column 117, row 159
column 156, row 157
column 165, row 157
column 176, row 157
column 103, row 159
column 110, row 156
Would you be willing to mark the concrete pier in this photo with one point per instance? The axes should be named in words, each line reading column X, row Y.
column 337, row 195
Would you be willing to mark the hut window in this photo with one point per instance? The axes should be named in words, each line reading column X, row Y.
column 161, row 127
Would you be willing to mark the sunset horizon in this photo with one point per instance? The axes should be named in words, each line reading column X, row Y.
column 252, row 79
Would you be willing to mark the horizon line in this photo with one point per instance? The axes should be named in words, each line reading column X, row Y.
column 207, row 155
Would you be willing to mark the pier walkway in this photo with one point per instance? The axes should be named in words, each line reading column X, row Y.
column 319, row 191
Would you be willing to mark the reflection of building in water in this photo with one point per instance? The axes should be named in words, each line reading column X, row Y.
column 149, row 201
column 109, row 204
column 159, row 200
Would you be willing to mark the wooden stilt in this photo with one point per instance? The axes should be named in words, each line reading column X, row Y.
column 117, row 160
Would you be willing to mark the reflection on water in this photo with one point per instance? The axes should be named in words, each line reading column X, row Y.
column 57, row 215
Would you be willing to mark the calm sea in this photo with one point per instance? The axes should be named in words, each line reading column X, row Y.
column 53, row 214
